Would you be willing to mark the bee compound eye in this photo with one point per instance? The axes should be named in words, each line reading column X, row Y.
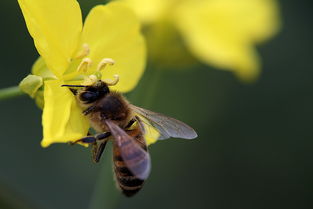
column 88, row 96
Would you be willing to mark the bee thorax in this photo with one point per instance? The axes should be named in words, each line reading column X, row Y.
column 112, row 107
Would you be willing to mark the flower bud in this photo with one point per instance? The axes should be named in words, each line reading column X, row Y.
column 31, row 84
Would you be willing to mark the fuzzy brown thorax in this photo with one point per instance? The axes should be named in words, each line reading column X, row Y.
column 100, row 104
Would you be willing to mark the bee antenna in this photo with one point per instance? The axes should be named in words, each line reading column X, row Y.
column 74, row 86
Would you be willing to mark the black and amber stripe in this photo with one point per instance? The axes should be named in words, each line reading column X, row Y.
column 126, row 181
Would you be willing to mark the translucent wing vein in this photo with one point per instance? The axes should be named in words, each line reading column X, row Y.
column 167, row 126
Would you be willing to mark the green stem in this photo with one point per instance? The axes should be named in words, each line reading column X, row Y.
column 10, row 92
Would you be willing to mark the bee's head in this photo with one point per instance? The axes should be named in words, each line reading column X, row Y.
column 87, row 94
column 93, row 90
column 90, row 94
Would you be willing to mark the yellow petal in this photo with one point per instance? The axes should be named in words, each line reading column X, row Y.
column 165, row 47
column 39, row 99
column 113, row 31
column 151, row 135
column 149, row 11
column 62, row 119
column 263, row 20
column 40, row 69
column 55, row 26
column 223, row 32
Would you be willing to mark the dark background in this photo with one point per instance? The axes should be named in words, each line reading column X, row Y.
column 255, row 142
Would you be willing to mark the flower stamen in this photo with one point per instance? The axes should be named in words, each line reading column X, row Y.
column 84, row 65
column 83, row 52
column 104, row 62
column 110, row 82
column 90, row 80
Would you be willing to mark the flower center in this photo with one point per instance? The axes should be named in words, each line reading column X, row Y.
column 86, row 63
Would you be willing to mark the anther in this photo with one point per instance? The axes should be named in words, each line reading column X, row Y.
column 83, row 52
column 110, row 82
column 104, row 63
column 84, row 65
column 90, row 80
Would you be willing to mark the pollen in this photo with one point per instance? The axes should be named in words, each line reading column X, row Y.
column 90, row 80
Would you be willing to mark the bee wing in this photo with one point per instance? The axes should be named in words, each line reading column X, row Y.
column 136, row 158
column 168, row 127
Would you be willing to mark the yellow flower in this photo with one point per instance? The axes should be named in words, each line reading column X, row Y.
column 222, row 33
column 72, row 52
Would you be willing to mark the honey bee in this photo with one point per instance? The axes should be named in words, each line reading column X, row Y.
column 113, row 117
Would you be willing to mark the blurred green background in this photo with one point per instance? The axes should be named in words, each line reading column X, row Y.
column 255, row 141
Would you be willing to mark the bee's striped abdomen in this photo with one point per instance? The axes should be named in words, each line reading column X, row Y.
column 126, row 181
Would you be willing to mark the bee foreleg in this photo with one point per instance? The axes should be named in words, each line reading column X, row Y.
column 74, row 91
column 89, row 110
